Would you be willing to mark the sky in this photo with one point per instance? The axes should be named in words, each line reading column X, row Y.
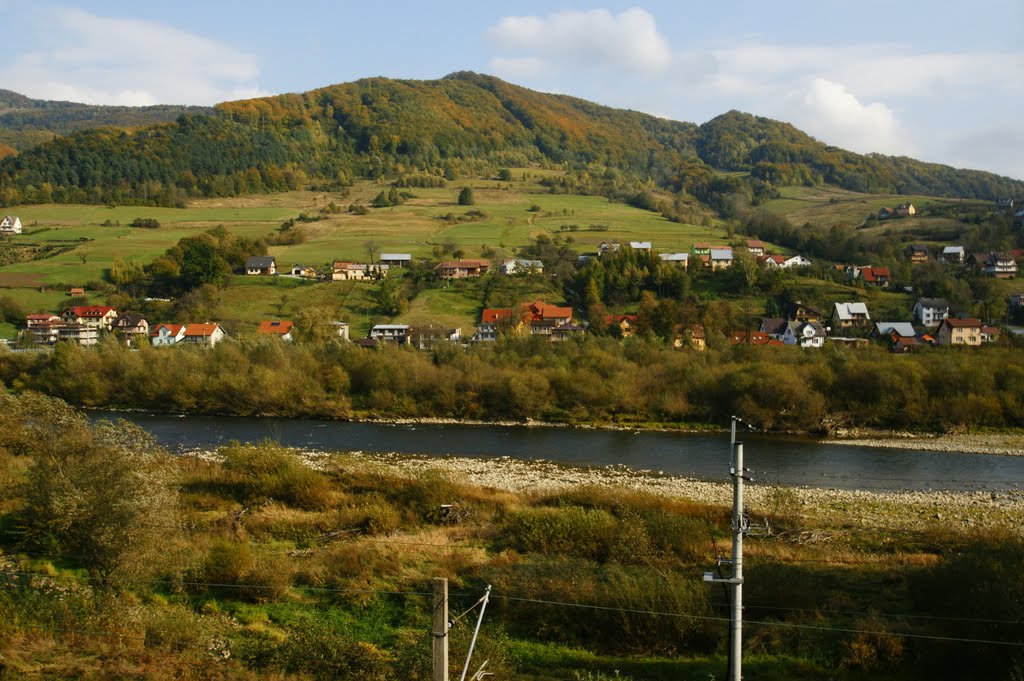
column 940, row 81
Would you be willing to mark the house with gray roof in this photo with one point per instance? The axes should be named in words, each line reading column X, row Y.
column 261, row 265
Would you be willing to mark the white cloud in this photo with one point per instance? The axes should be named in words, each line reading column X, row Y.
column 628, row 41
column 831, row 113
column 104, row 60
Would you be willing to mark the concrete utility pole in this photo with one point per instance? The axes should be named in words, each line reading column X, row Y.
column 439, row 630
column 739, row 529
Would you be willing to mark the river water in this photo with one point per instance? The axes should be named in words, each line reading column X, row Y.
column 772, row 459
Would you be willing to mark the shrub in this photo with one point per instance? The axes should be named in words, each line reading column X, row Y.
column 268, row 470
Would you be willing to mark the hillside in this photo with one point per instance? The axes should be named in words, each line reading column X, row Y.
column 26, row 122
column 418, row 131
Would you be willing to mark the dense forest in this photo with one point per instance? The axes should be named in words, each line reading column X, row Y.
column 25, row 122
column 463, row 123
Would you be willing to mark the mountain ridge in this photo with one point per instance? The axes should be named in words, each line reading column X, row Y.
column 464, row 123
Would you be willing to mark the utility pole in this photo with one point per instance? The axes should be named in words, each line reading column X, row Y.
column 439, row 630
column 735, row 581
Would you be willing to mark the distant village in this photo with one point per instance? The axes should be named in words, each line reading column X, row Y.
column 932, row 321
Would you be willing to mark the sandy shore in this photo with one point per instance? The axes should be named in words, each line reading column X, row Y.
column 844, row 508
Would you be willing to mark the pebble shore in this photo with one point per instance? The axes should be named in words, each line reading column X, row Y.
column 845, row 508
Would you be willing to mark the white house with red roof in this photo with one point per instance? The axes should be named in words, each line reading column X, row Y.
column 166, row 334
column 100, row 316
column 207, row 334
column 278, row 328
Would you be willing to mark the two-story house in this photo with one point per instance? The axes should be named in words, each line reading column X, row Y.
column 850, row 315
column 206, row 334
column 100, row 316
column 463, row 269
column 261, row 265
column 954, row 331
column 10, row 224
column 166, row 334
column 931, row 311
column 391, row 333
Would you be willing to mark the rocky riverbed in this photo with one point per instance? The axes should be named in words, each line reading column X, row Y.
column 843, row 508
column 1011, row 444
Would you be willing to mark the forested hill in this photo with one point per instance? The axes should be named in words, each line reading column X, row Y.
column 25, row 122
column 465, row 123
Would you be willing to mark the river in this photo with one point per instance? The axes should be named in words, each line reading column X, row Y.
column 772, row 459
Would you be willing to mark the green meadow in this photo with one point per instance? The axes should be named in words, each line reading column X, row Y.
column 514, row 213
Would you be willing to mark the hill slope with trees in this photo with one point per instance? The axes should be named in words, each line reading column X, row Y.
column 465, row 123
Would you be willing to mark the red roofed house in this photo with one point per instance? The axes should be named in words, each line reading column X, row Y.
column 626, row 323
column 280, row 328
column 463, row 269
column 875, row 276
column 753, row 338
column 755, row 246
column 953, row 331
column 166, row 334
column 40, row 319
column 544, row 318
column 493, row 320
column 99, row 316
column 208, row 334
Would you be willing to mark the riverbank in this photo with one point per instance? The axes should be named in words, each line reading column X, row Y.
column 851, row 509
column 1007, row 444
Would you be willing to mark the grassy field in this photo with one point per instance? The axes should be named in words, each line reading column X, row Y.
column 832, row 206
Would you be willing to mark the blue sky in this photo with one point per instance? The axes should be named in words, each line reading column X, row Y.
column 941, row 81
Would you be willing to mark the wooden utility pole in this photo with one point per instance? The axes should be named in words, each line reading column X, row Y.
column 439, row 630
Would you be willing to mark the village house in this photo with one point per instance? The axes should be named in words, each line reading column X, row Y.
column 426, row 336
column 492, row 322
column 395, row 259
column 874, row 276
column 608, row 247
column 917, row 254
column 166, row 334
column 340, row 329
column 753, row 338
column 303, row 271
column 80, row 334
column 76, row 292
column 544, row 318
column 344, row 271
column 989, row 334
column 42, row 332
column 100, row 316
column 463, row 269
column 10, row 224
column 701, row 248
column 803, row 334
column 625, row 323
column 521, row 266
column 40, row 318
column 720, row 259
column 1000, row 265
column 680, row 259
column 391, row 333
column 850, row 315
column 277, row 328
column 954, row 331
column 953, row 255
column 694, row 337
column 131, row 326
column 640, row 246
column 755, row 246
column 206, row 334
column 931, row 311
column 261, row 265
column 901, row 329
column 784, row 262
column 798, row 312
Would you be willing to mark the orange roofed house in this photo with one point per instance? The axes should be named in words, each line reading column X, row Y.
column 208, row 334
column 280, row 328
column 541, row 318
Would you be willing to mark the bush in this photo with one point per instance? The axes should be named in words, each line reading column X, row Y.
column 269, row 470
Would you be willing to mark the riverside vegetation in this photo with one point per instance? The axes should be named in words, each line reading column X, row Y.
column 593, row 380
column 117, row 560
